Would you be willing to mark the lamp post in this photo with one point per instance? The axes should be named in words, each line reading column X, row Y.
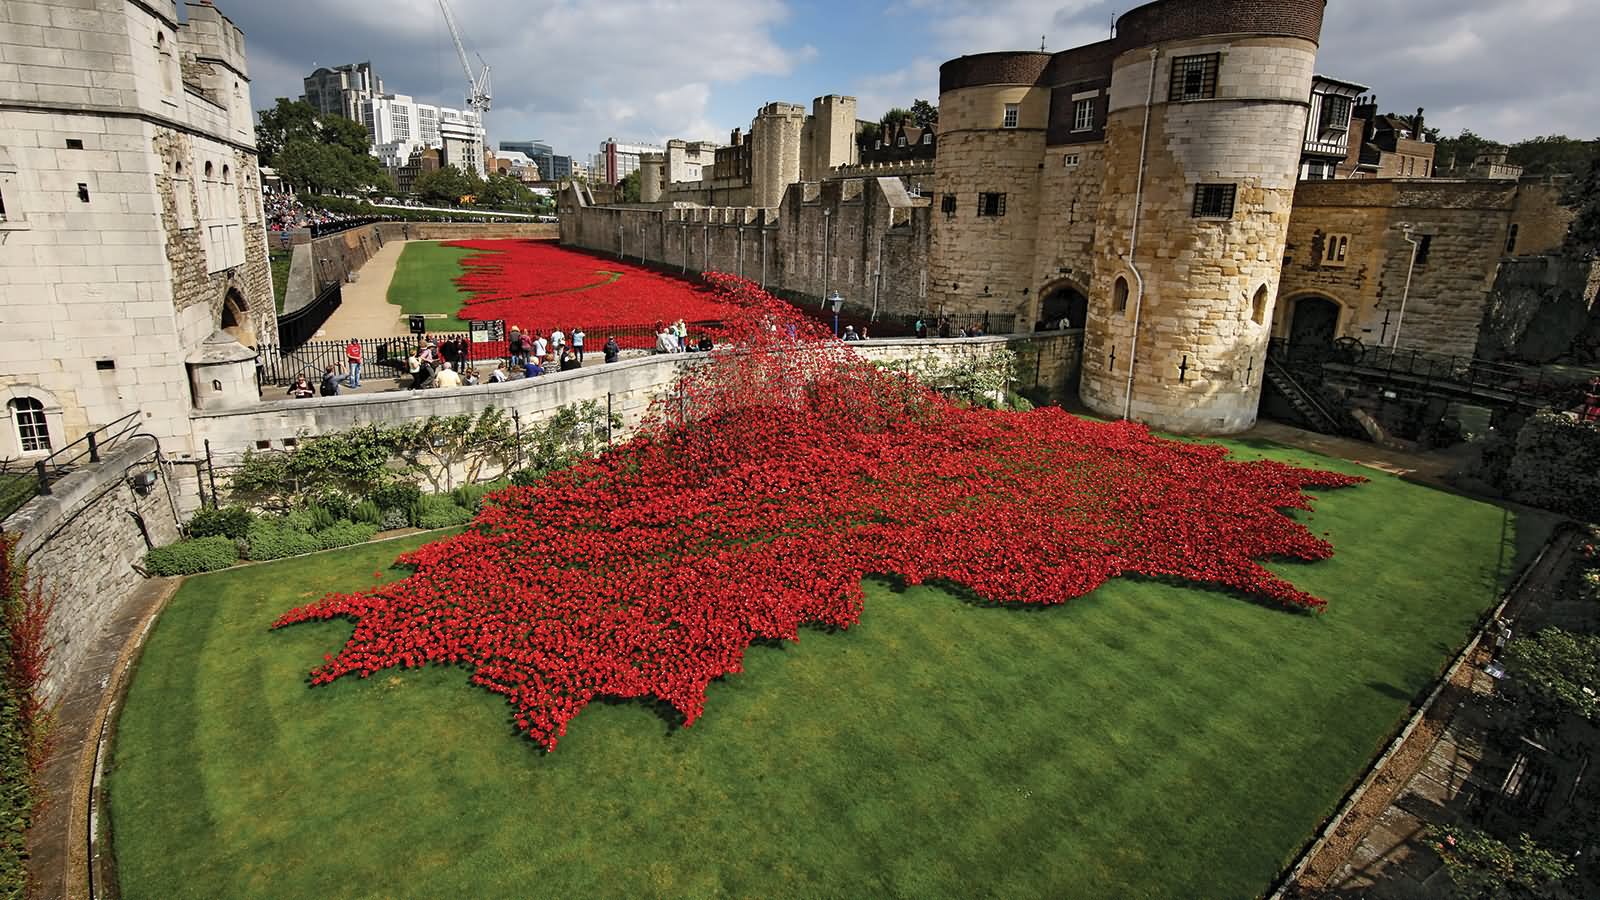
column 838, row 303
column 1406, row 230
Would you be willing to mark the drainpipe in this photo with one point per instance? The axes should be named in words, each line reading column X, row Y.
column 1133, row 237
column 1401, row 319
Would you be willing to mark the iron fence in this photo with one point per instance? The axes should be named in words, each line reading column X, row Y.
column 298, row 327
column 1461, row 374
column 22, row 480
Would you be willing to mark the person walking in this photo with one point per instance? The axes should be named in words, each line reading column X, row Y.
column 921, row 329
column 558, row 339
column 577, row 343
column 613, row 349
column 681, row 332
column 352, row 362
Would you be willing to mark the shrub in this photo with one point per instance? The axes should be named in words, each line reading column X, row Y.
column 395, row 518
column 275, row 539
column 1557, row 466
column 366, row 512
column 201, row 554
column 439, row 512
column 470, row 496
column 230, row 521
column 321, row 518
column 338, row 505
column 343, row 534
column 399, row 495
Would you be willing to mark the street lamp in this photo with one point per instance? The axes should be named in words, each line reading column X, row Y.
column 838, row 302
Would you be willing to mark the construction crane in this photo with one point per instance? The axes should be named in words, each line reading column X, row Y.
column 478, row 95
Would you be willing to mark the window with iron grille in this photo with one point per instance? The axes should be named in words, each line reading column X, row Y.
column 1010, row 119
column 947, row 204
column 1213, row 201
column 1083, row 115
column 32, row 431
column 991, row 204
column 1194, row 77
column 1511, row 236
column 1424, row 246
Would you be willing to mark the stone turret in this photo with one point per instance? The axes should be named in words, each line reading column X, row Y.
column 222, row 373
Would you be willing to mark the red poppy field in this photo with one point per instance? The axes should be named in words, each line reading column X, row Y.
column 785, row 471
column 541, row 286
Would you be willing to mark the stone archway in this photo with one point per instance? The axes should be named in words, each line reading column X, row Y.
column 1314, row 322
column 235, row 318
column 1062, row 304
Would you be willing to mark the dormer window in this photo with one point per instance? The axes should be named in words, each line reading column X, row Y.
column 927, row 137
column 901, row 142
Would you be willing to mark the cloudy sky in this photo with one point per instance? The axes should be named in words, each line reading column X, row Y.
column 574, row 72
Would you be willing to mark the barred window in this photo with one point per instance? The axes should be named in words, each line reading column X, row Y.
column 947, row 204
column 991, row 204
column 1194, row 77
column 1511, row 236
column 1083, row 115
column 1213, row 201
column 1335, row 113
column 1010, row 119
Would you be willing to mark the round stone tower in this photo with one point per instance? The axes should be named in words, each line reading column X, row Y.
column 652, row 176
column 1205, row 126
column 993, row 115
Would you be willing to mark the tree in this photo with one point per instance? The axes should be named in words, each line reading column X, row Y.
column 1457, row 154
column 1583, row 235
column 505, row 192
column 286, row 121
column 1482, row 868
column 321, row 153
column 894, row 117
column 924, row 114
column 868, row 132
column 628, row 187
column 1554, row 154
column 447, row 185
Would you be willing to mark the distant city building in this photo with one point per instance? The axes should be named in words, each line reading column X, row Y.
column 513, row 164
column 343, row 90
column 617, row 160
column 552, row 166
column 399, row 126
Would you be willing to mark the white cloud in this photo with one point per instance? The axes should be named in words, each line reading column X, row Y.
column 571, row 72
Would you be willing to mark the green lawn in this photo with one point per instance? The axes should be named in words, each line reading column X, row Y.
column 424, row 278
column 1147, row 740
column 279, row 260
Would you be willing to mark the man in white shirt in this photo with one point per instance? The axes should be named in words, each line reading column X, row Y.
column 558, row 339
column 540, row 347
column 666, row 341
column 447, row 377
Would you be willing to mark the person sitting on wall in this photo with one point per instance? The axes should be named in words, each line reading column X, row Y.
column 850, row 333
column 470, row 379
column 705, row 344
column 921, row 329
column 448, row 377
column 531, row 368
column 301, row 389
column 498, row 376
column 330, row 382
column 666, row 341
column 569, row 359
column 613, row 349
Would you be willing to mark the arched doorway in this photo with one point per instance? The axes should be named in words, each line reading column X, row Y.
column 1063, row 306
column 235, row 318
column 1315, row 323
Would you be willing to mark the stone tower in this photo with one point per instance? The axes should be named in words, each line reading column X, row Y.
column 993, row 114
column 775, row 152
column 1204, row 126
column 829, row 137
column 652, row 176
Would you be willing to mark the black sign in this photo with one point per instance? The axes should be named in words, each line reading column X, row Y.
column 488, row 331
column 419, row 325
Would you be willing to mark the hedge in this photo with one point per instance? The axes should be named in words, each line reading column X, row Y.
column 1557, row 466
column 192, row 556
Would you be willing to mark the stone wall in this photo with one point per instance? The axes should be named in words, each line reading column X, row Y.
column 335, row 256
column 1543, row 309
column 83, row 541
column 1047, row 363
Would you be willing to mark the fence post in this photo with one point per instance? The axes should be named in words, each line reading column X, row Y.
column 608, row 418
column 44, row 480
column 211, row 476
column 94, row 448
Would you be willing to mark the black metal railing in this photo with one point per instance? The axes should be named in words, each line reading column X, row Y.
column 326, row 228
column 23, row 479
column 1465, row 375
column 298, row 327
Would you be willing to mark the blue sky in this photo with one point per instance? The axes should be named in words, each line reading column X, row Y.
column 574, row 73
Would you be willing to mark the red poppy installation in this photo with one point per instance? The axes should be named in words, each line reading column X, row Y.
column 541, row 286
column 763, row 488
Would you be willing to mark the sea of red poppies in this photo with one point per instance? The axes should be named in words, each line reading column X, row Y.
column 760, row 493
column 541, row 286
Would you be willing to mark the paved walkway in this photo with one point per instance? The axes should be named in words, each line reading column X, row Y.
column 365, row 311
column 1428, row 466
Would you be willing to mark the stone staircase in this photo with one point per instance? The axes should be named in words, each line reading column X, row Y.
column 1321, row 415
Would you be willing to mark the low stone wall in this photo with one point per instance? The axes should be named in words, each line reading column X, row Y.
column 333, row 257
column 1047, row 362
column 82, row 541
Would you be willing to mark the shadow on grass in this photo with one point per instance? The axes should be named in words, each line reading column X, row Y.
column 971, row 598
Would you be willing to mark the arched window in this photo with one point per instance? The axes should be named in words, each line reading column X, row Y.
column 177, row 168
column 1119, row 295
column 208, row 169
column 1258, row 307
column 164, row 60
column 227, row 173
column 33, row 433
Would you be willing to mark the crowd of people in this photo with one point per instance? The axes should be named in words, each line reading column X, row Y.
column 674, row 338
column 285, row 212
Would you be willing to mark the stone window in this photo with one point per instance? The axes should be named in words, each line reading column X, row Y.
column 1335, row 247
column 2, row 206
column 1511, row 236
column 991, row 205
column 1424, row 246
column 1214, row 201
column 83, row 191
column 74, row 143
column 1083, row 115
column 1119, row 296
column 947, row 204
column 33, row 431
column 1010, row 119
column 164, row 60
column 1258, row 306
column 1070, row 160
column 1194, row 77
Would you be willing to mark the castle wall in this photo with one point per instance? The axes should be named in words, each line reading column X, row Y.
column 776, row 151
column 1466, row 224
column 1202, row 333
column 1064, row 253
column 1541, row 219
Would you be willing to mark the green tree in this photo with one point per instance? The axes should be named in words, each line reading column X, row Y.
column 1457, row 154
column 628, row 187
column 1554, row 154
column 924, row 114
column 868, row 132
column 286, row 121
column 505, row 192
column 1583, row 235
column 447, row 185
column 894, row 117
column 316, row 152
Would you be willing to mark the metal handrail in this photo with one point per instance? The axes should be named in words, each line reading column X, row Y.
column 22, row 480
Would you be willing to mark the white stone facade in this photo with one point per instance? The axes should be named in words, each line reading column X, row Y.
column 132, row 225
